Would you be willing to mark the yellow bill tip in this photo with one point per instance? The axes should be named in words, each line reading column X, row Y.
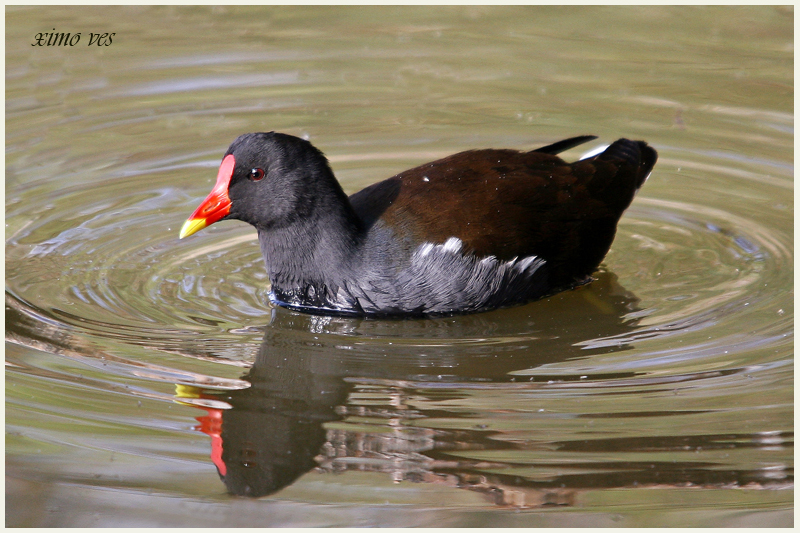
column 193, row 225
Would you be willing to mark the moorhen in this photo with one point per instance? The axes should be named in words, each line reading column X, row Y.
column 475, row 231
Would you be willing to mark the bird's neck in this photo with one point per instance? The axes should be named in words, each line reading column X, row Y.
column 318, row 252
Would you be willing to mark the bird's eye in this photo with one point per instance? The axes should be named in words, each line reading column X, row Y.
column 256, row 174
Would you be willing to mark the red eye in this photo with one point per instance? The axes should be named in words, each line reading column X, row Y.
column 257, row 174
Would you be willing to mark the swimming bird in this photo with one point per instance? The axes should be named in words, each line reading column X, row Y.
column 474, row 231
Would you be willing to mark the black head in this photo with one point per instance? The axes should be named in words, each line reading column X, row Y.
column 270, row 180
column 276, row 179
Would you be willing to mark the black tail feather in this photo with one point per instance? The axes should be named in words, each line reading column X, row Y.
column 566, row 144
column 636, row 153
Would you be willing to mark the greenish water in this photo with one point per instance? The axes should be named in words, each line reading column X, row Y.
column 139, row 368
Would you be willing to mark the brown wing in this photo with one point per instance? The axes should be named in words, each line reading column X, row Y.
column 514, row 204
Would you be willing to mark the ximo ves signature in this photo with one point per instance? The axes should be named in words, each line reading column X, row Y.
column 71, row 39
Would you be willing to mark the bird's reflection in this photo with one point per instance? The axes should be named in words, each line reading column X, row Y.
column 311, row 371
column 274, row 431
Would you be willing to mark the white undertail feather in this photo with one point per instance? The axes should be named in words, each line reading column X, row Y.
column 594, row 151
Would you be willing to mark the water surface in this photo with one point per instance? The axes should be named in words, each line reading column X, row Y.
column 150, row 383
